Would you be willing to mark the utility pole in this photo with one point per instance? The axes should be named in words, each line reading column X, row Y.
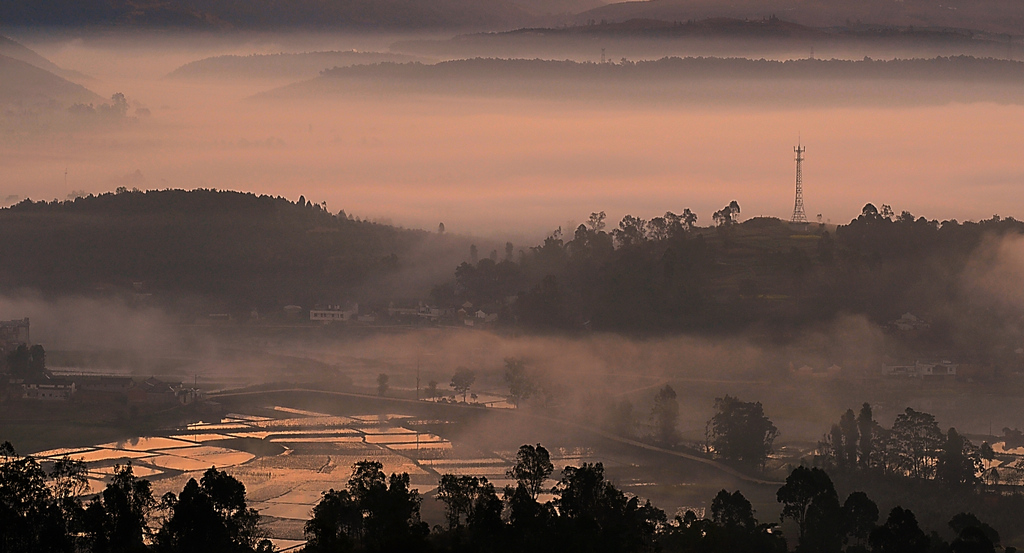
column 798, row 207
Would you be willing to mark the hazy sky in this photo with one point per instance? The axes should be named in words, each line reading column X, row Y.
column 522, row 166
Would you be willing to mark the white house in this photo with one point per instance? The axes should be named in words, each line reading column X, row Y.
column 333, row 313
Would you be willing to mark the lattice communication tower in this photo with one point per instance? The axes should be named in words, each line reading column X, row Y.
column 798, row 207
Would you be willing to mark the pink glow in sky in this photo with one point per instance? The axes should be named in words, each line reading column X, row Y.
column 494, row 166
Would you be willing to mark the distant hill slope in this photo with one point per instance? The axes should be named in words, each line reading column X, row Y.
column 281, row 14
column 229, row 249
column 715, row 80
column 279, row 66
column 18, row 51
column 26, row 85
column 997, row 16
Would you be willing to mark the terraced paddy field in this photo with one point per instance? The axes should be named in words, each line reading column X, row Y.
column 287, row 456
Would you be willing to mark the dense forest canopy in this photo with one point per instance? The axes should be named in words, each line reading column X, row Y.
column 763, row 274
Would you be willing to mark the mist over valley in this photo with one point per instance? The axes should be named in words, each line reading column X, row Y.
column 489, row 261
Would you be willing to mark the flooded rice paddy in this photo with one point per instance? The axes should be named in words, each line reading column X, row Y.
column 288, row 458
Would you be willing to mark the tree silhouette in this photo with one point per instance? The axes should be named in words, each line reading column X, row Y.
column 741, row 432
column 595, row 516
column 631, row 231
column 860, row 516
column 732, row 511
column 209, row 516
column 462, row 381
column 963, row 524
column 958, row 463
column 726, row 216
column 532, row 468
column 520, row 386
column 469, row 502
column 32, row 518
column 665, row 414
column 916, row 440
column 810, row 499
column 899, row 534
column 432, row 388
column 336, row 524
column 390, row 510
column 116, row 520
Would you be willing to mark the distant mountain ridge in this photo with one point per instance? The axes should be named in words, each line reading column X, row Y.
column 717, row 36
column 18, row 51
column 26, row 85
column 283, row 14
column 995, row 16
column 688, row 80
column 284, row 65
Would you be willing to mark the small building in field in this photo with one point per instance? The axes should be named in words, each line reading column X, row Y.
column 900, row 371
column 98, row 389
column 48, row 389
column 925, row 370
column 154, row 391
column 333, row 313
column 937, row 370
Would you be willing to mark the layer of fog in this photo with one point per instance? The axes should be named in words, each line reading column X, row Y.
column 580, row 378
column 497, row 165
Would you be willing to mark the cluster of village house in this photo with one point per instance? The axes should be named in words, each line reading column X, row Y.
column 50, row 387
column 465, row 315
column 414, row 313
column 922, row 369
column 909, row 325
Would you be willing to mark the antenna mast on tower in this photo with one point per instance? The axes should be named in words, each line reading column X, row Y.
column 798, row 207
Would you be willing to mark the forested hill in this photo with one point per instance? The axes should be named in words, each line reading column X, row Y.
column 763, row 275
column 227, row 250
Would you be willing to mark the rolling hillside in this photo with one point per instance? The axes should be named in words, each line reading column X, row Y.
column 26, row 85
column 225, row 250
